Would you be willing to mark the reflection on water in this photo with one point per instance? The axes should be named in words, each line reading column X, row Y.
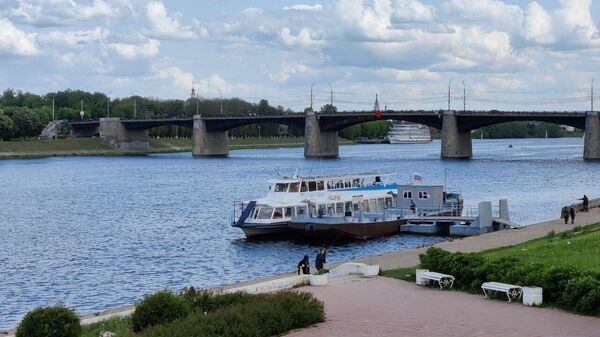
column 98, row 232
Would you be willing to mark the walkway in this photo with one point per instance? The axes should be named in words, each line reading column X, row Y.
column 388, row 307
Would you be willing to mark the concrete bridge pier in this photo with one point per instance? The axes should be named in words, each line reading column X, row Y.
column 114, row 133
column 591, row 147
column 455, row 144
column 317, row 143
column 208, row 143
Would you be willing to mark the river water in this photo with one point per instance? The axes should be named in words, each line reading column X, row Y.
column 99, row 232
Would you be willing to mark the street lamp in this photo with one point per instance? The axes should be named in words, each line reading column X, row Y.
column 221, row 93
column 259, row 132
column 450, row 82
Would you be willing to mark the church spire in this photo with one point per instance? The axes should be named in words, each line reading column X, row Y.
column 194, row 95
column 376, row 106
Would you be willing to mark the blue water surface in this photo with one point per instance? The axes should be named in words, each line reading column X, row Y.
column 99, row 232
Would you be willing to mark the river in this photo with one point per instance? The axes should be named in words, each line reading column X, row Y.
column 99, row 232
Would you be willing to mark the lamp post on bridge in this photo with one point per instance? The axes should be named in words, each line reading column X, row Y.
column 449, row 83
column 464, row 96
column 221, row 93
column 592, row 97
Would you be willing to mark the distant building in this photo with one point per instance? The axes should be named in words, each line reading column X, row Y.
column 567, row 128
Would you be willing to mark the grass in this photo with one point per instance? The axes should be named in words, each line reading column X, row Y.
column 579, row 249
column 406, row 274
column 72, row 144
column 120, row 326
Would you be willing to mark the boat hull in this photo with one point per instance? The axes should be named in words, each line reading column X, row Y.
column 343, row 230
column 256, row 230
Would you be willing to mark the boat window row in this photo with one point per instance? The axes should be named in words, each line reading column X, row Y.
column 331, row 184
column 423, row 195
column 348, row 207
column 268, row 213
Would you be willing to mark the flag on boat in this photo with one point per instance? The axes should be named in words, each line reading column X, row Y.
column 417, row 178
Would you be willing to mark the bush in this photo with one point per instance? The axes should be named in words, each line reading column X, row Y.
column 158, row 308
column 206, row 301
column 265, row 315
column 583, row 294
column 56, row 321
column 434, row 259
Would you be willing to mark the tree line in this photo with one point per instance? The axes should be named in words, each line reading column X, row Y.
column 25, row 114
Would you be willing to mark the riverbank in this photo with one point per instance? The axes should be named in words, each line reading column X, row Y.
column 410, row 257
column 96, row 147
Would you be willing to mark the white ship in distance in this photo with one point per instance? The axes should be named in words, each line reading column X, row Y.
column 408, row 133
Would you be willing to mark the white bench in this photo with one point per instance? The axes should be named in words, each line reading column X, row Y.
column 512, row 291
column 443, row 280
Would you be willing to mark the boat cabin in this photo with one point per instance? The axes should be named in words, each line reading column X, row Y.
column 418, row 196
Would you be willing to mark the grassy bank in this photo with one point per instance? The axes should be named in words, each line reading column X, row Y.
column 565, row 265
column 95, row 146
column 73, row 144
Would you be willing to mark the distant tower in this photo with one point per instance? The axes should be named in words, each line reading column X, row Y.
column 194, row 94
column 376, row 106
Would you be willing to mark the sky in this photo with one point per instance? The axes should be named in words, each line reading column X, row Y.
column 505, row 55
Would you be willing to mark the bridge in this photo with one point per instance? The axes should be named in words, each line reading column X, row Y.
column 321, row 129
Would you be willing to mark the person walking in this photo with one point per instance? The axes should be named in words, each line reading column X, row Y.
column 586, row 202
column 321, row 259
column 304, row 266
column 572, row 213
column 565, row 214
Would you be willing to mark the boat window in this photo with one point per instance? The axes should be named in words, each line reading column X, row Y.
column 381, row 204
column 365, row 205
column 356, row 207
column 407, row 194
column 303, row 188
column 330, row 209
column 294, row 187
column 281, row 187
column 301, row 210
column 320, row 185
column 289, row 212
column 373, row 205
column 265, row 213
column 255, row 213
column 313, row 210
column 423, row 195
column 278, row 214
column 388, row 203
column 347, row 184
column 321, row 211
column 312, row 186
column 330, row 185
column 356, row 182
column 339, row 208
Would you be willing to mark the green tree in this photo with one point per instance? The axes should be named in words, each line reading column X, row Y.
column 7, row 127
column 328, row 108
column 27, row 122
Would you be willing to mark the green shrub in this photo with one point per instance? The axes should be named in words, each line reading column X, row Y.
column 158, row 308
column 56, row 321
column 583, row 294
column 265, row 315
column 550, row 236
column 554, row 281
column 206, row 301
column 434, row 259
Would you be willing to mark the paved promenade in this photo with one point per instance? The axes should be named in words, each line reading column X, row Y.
column 388, row 307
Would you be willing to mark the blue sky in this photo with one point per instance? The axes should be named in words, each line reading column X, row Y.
column 509, row 54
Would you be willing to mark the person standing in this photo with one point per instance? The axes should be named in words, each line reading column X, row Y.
column 565, row 214
column 321, row 259
column 572, row 213
column 586, row 202
column 304, row 266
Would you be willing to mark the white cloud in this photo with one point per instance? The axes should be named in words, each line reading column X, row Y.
column 537, row 25
column 288, row 70
column 74, row 39
column 180, row 79
column 302, row 7
column 15, row 41
column 413, row 11
column 164, row 25
column 135, row 51
column 57, row 12
column 408, row 75
column 214, row 84
column 302, row 39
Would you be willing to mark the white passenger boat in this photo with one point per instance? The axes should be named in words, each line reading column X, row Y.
column 290, row 197
column 408, row 133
